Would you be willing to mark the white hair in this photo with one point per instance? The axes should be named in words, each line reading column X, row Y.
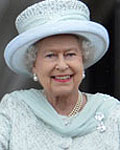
column 87, row 53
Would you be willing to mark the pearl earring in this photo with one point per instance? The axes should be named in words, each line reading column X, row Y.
column 83, row 75
column 35, row 78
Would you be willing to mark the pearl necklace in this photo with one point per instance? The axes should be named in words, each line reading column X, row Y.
column 77, row 106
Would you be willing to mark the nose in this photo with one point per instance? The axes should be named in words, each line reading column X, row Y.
column 61, row 63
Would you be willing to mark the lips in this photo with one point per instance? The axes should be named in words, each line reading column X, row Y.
column 62, row 78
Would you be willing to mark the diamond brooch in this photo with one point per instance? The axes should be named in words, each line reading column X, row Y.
column 100, row 119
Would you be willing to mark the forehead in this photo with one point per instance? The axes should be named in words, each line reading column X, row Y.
column 59, row 41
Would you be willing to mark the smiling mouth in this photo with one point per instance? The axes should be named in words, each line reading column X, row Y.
column 62, row 77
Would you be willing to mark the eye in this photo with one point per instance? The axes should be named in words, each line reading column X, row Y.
column 50, row 55
column 71, row 54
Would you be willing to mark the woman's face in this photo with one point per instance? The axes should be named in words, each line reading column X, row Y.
column 59, row 64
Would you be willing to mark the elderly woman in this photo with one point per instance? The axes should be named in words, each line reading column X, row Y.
column 56, row 43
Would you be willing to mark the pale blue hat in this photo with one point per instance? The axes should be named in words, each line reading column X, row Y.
column 53, row 17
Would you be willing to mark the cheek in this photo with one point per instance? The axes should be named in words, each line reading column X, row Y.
column 43, row 71
column 79, row 65
column 79, row 70
column 43, row 77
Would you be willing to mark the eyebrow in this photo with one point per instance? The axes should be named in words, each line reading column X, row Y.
column 66, row 50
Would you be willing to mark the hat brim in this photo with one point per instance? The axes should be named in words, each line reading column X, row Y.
column 94, row 32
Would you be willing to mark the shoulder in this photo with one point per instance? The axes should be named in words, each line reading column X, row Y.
column 102, row 96
column 103, row 99
column 104, row 103
column 13, row 106
column 113, row 106
column 15, row 95
column 14, row 100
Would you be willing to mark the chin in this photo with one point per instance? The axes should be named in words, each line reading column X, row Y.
column 63, row 91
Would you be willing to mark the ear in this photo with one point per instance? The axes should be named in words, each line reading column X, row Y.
column 34, row 69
